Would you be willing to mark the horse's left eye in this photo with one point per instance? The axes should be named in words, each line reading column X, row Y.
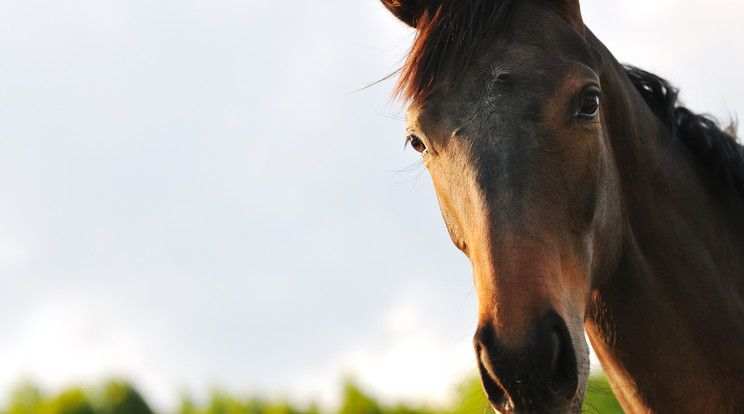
column 416, row 143
column 589, row 105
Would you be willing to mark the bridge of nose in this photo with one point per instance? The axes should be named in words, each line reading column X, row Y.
column 517, row 282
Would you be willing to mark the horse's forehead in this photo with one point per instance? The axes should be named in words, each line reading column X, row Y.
column 535, row 33
column 537, row 45
column 538, row 21
column 533, row 49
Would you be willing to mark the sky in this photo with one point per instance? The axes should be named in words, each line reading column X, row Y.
column 194, row 194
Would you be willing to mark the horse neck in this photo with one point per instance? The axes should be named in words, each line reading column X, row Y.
column 668, row 325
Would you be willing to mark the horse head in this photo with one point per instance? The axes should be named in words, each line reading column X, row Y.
column 507, row 110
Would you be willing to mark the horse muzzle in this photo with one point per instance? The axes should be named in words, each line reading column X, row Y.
column 541, row 376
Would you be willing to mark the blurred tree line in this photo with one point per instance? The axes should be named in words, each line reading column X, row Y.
column 118, row 397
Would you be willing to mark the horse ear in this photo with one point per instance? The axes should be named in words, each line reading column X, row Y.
column 408, row 11
column 570, row 11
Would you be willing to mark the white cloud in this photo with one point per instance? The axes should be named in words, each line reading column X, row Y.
column 101, row 13
column 411, row 358
column 77, row 336
column 14, row 250
column 413, row 367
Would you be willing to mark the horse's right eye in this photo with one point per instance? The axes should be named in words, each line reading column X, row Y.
column 589, row 105
column 416, row 143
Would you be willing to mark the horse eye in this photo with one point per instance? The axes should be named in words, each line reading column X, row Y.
column 416, row 143
column 589, row 105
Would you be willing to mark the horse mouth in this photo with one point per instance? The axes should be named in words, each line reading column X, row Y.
column 542, row 377
column 502, row 403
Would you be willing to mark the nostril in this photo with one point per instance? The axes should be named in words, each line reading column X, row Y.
column 494, row 391
column 487, row 347
column 564, row 379
column 555, row 344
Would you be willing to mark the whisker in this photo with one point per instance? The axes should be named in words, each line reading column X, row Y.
column 396, row 117
column 416, row 168
column 369, row 85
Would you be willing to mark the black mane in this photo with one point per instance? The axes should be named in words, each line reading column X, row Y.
column 717, row 149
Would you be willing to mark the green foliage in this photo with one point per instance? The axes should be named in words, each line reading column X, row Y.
column 25, row 398
column 121, row 398
column 117, row 397
column 357, row 402
column 471, row 399
column 404, row 409
column 187, row 406
column 222, row 403
column 599, row 397
column 114, row 397
column 73, row 401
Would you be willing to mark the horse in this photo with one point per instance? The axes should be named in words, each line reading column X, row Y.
column 589, row 202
